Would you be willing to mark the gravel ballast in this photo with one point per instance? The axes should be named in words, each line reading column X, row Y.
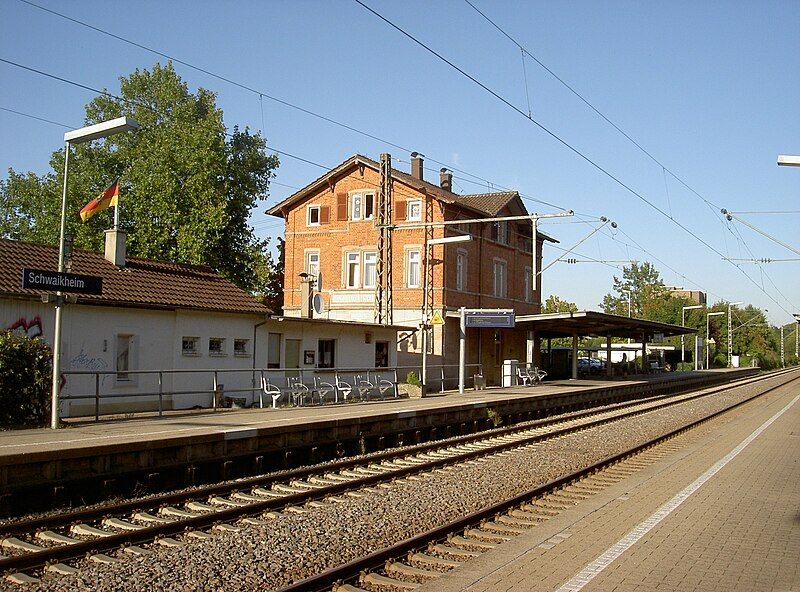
column 299, row 545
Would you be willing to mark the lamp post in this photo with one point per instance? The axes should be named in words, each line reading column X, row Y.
column 683, row 324
column 730, row 331
column 78, row 136
column 788, row 160
column 425, row 304
column 708, row 317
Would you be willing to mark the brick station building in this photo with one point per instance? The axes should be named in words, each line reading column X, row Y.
column 332, row 234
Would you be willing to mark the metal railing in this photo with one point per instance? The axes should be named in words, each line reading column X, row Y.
column 161, row 384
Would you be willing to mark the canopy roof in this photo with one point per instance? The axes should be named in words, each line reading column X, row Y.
column 597, row 324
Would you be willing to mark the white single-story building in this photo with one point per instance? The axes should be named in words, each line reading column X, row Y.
column 172, row 332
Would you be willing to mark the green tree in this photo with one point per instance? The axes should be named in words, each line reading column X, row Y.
column 555, row 304
column 187, row 186
column 639, row 292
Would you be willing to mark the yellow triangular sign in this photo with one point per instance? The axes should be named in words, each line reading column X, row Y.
column 437, row 318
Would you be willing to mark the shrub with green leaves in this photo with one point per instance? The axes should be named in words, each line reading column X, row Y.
column 25, row 378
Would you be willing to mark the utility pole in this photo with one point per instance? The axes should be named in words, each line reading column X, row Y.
column 730, row 332
column 383, row 220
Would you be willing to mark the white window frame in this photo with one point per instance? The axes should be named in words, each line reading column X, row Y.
column 416, row 262
column 313, row 207
column 410, row 216
column 194, row 350
column 313, row 268
column 502, row 232
column 222, row 352
column 357, row 206
column 500, row 278
column 352, row 260
column 370, row 268
column 461, row 270
column 369, row 200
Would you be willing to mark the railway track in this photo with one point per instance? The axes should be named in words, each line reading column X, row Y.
column 51, row 542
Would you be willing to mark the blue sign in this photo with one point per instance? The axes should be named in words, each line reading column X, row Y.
column 489, row 319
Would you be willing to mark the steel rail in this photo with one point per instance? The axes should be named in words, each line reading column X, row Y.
column 70, row 551
column 348, row 571
column 65, row 518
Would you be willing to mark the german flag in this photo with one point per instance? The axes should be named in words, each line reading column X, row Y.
column 101, row 202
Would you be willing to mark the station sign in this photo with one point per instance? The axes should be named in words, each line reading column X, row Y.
column 54, row 281
column 494, row 319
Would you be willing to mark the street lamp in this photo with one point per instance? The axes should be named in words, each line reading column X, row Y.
column 788, row 160
column 78, row 136
column 425, row 304
column 708, row 316
column 730, row 332
column 683, row 324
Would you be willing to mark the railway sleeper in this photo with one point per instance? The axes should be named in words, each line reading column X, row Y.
column 54, row 537
column 61, row 569
column 21, row 578
column 268, row 493
column 347, row 588
column 457, row 553
column 485, row 536
column 121, row 524
column 136, row 551
column 176, row 513
column 397, row 569
column 228, row 502
column 504, row 529
column 151, row 518
column 518, row 522
column 432, row 561
column 380, row 583
column 469, row 543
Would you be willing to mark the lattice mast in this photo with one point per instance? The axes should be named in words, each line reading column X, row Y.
column 383, row 221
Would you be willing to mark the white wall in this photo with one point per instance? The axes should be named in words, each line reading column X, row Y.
column 89, row 344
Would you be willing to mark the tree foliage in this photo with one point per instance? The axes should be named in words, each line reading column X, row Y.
column 639, row 292
column 25, row 377
column 187, row 186
column 555, row 304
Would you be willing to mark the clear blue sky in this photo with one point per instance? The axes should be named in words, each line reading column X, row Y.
column 710, row 89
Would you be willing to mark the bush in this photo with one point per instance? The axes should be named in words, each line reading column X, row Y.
column 411, row 378
column 25, row 378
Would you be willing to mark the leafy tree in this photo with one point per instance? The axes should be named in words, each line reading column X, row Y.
column 555, row 304
column 640, row 291
column 187, row 186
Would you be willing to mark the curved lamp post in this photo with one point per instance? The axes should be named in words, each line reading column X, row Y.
column 78, row 136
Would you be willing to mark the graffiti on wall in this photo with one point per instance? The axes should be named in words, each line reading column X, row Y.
column 30, row 328
column 84, row 362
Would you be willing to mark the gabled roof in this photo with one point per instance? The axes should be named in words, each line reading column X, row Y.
column 142, row 283
column 484, row 203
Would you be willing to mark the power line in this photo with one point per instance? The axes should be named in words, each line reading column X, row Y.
column 565, row 143
column 261, row 94
column 35, row 117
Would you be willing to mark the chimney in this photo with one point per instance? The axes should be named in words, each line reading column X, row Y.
column 446, row 180
column 115, row 247
column 416, row 165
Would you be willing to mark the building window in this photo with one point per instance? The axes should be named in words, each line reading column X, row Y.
column 461, row 270
column 241, row 347
column 326, row 353
column 500, row 232
column 381, row 354
column 123, row 357
column 355, row 207
column 412, row 269
column 312, row 216
column 274, row 350
column 528, row 284
column 216, row 346
column 312, row 267
column 500, row 278
column 353, row 270
column 190, row 346
column 370, row 268
column 369, row 206
column 414, row 211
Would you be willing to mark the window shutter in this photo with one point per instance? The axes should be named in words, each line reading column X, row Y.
column 400, row 209
column 324, row 214
column 341, row 206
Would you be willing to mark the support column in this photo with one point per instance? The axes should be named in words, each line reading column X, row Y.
column 644, row 354
column 608, row 356
column 574, row 357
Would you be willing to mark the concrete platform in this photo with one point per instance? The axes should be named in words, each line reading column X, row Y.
column 721, row 513
column 252, row 440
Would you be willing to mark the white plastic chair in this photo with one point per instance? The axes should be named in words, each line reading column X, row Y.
column 384, row 385
column 345, row 388
column 270, row 389
column 324, row 389
column 365, row 387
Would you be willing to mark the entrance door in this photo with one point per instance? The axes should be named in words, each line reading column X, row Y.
column 381, row 354
column 293, row 353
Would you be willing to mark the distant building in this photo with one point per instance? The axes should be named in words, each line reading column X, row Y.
column 155, row 315
column 332, row 234
column 695, row 296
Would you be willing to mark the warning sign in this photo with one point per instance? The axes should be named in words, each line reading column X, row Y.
column 437, row 318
